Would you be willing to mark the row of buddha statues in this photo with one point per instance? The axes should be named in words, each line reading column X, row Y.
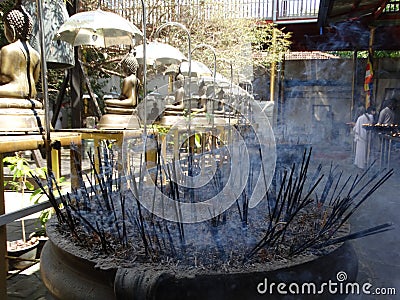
column 20, row 72
column 128, row 98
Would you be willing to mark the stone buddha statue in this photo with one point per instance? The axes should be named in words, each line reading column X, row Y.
column 128, row 98
column 19, row 62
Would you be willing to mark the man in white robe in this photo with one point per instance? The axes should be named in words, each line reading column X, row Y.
column 361, row 137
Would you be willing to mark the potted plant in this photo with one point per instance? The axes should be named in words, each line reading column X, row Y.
column 21, row 172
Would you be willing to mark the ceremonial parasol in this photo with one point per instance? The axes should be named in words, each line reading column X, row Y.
column 159, row 54
column 98, row 28
column 198, row 69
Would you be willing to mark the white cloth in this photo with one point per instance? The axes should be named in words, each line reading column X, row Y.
column 361, row 140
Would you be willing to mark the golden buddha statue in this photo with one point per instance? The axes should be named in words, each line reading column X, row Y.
column 202, row 98
column 220, row 96
column 178, row 106
column 19, row 72
column 19, row 62
column 174, row 112
column 128, row 98
column 121, row 113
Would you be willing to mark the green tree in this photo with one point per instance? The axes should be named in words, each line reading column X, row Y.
column 243, row 42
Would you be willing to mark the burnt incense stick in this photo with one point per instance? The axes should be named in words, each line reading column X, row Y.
column 304, row 213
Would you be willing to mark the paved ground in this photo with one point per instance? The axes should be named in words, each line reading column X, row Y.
column 27, row 284
column 379, row 256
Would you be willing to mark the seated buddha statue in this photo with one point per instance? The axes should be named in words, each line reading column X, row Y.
column 178, row 105
column 220, row 96
column 202, row 98
column 121, row 113
column 128, row 99
column 19, row 62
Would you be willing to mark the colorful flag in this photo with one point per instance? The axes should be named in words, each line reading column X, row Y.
column 368, row 82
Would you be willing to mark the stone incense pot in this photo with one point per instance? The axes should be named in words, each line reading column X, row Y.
column 71, row 272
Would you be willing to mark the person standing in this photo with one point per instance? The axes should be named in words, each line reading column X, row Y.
column 359, row 111
column 386, row 116
column 361, row 136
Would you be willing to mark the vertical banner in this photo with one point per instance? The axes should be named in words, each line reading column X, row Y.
column 369, row 71
column 368, row 82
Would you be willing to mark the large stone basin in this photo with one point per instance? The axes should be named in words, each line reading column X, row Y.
column 69, row 272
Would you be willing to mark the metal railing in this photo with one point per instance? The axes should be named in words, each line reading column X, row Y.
column 159, row 11
column 297, row 9
column 23, row 212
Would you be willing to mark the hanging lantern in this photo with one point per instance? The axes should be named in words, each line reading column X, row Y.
column 59, row 54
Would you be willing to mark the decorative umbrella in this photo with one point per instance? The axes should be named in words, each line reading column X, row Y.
column 198, row 69
column 224, row 83
column 159, row 54
column 171, row 70
column 220, row 80
column 98, row 28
